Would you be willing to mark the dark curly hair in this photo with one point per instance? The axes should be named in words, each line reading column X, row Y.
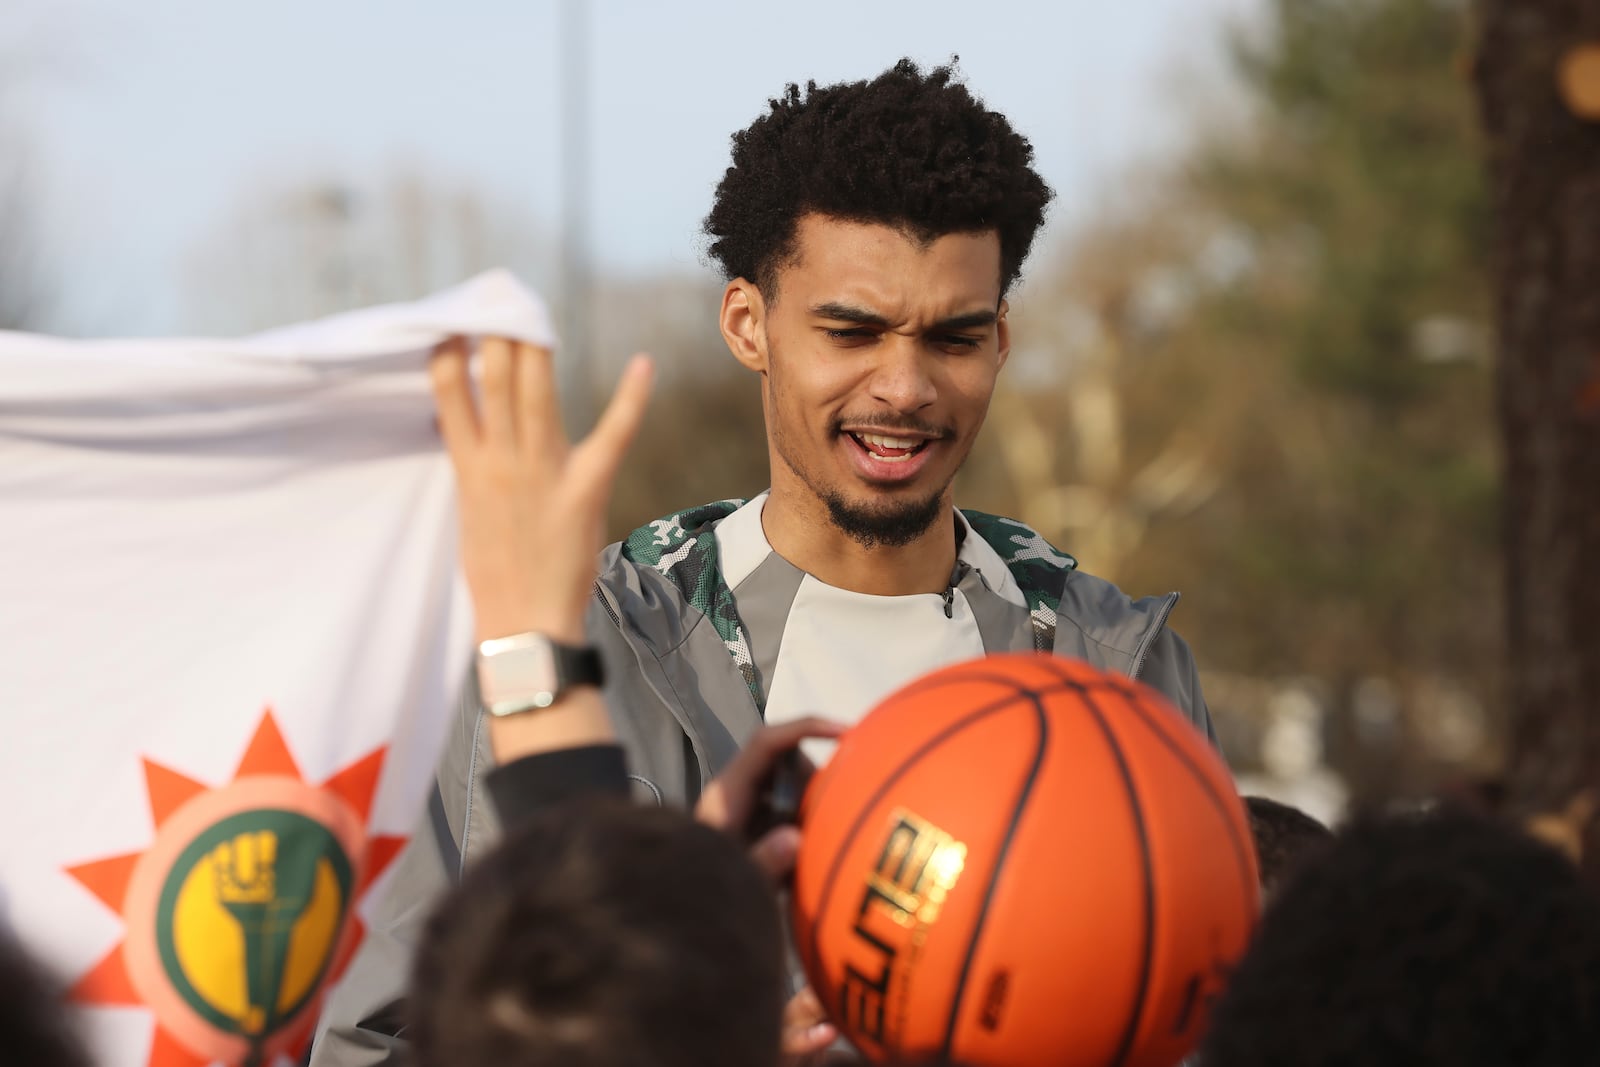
column 1433, row 939
column 907, row 149
column 598, row 934
column 1284, row 835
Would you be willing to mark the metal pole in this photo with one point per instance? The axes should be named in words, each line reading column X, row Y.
column 576, row 380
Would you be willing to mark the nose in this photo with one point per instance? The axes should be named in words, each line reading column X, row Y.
column 902, row 378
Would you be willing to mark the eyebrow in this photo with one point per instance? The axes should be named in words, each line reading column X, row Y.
column 862, row 317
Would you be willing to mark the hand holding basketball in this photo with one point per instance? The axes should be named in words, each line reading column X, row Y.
column 730, row 799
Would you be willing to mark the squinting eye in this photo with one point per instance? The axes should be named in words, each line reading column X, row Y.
column 855, row 334
column 961, row 342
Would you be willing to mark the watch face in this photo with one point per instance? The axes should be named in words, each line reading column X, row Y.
column 517, row 673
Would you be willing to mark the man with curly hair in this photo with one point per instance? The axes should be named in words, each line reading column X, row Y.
column 870, row 233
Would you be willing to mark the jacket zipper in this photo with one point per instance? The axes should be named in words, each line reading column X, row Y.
column 1150, row 637
column 604, row 603
column 957, row 573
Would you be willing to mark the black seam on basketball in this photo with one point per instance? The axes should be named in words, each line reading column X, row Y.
column 866, row 808
column 1107, row 680
column 1129, row 691
column 930, row 684
column 919, row 688
column 1240, row 856
column 808, row 951
column 1017, row 809
column 1137, row 1015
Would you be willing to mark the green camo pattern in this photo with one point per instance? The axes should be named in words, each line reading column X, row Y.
column 683, row 548
column 1038, row 567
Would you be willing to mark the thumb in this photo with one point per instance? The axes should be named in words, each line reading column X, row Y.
column 776, row 851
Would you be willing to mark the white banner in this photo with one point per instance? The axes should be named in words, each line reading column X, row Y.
column 231, row 631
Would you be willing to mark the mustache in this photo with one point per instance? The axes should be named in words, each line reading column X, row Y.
column 890, row 422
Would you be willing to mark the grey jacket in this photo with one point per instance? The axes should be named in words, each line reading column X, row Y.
column 685, row 689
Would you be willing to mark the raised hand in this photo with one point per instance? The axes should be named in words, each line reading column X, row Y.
column 531, row 503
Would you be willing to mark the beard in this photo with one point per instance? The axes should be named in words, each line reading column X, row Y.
column 889, row 524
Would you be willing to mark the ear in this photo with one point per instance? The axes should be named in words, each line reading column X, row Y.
column 1002, row 331
column 743, row 312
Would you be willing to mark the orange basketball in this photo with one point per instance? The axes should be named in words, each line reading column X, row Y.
column 1023, row 860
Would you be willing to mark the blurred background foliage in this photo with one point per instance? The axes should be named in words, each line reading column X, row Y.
column 1286, row 346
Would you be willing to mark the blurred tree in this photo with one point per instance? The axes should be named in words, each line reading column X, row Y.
column 703, row 438
column 1359, row 193
column 1090, row 483
column 296, row 250
column 299, row 249
column 1538, row 78
column 1300, row 309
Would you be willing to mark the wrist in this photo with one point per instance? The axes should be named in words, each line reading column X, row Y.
column 530, row 672
column 565, row 629
column 579, row 718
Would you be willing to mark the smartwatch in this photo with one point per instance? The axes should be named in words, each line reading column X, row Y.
column 527, row 672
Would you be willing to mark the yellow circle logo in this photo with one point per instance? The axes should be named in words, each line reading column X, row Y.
column 249, row 919
column 240, row 912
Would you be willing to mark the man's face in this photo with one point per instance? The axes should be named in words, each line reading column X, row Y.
column 881, row 358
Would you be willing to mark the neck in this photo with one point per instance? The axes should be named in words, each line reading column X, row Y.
column 799, row 528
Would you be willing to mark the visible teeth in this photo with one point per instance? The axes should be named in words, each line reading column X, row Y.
column 888, row 442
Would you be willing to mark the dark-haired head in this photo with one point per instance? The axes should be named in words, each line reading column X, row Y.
column 909, row 149
column 35, row 1028
column 1284, row 836
column 603, row 935
column 1439, row 939
column 869, row 232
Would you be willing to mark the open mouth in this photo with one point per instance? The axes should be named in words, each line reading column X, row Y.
column 887, row 449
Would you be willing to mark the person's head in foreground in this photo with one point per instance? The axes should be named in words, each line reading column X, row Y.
column 1440, row 939
column 605, row 935
column 35, row 1028
column 870, row 232
column 1284, row 836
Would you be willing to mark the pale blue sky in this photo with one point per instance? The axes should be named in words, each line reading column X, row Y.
column 151, row 117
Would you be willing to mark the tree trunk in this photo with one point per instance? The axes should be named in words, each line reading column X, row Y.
column 1543, row 139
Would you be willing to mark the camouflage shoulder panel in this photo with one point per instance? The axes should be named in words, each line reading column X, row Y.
column 1038, row 567
column 683, row 549
column 657, row 542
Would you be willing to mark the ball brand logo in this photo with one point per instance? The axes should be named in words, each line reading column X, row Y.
column 901, row 899
column 239, row 912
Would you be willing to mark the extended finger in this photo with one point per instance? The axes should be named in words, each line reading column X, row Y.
column 803, row 1009
column 775, row 853
column 806, row 1029
column 730, row 797
column 810, row 1041
column 452, row 395
column 497, row 391
column 754, row 762
column 538, row 411
column 619, row 423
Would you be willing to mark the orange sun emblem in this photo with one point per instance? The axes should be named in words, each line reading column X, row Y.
column 242, row 910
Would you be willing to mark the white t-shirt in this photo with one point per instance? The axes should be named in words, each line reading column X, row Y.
column 841, row 652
